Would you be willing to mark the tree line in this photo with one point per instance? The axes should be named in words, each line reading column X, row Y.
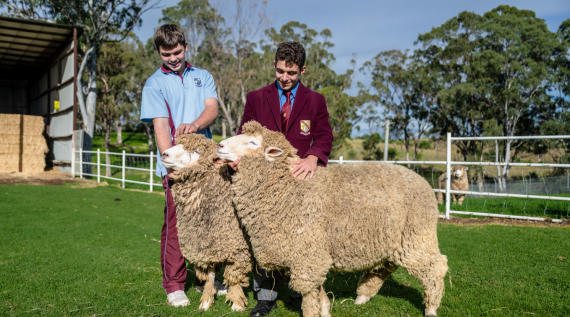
column 502, row 73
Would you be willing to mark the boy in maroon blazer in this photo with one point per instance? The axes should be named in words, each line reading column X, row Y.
column 286, row 105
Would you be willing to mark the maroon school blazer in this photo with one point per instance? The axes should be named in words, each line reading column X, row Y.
column 309, row 121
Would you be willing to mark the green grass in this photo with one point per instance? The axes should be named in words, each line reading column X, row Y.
column 555, row 209
column 78, row 252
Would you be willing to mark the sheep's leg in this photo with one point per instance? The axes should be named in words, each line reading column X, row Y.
column 325, row 303
column 236, row 276
column 207, row 299
column 439, row 198
column 371, row 282
column 311, row 305
column 461, row 198
column 431, row 273
column 453, row 198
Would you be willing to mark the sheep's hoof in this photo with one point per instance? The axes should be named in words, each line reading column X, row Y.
column 361, row 299
column 204, row 306
column 431, row 312
column 237, row 308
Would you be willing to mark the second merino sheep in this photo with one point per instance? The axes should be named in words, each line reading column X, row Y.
column 459, row 181
column 209, row 231
column 371, row 217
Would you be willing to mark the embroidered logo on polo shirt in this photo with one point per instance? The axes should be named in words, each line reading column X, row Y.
column 305, row 127
column 198, row 82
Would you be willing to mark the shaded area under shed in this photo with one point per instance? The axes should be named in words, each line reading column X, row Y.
column 38, row 71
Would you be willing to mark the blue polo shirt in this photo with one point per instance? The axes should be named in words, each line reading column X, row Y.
column 185, row 94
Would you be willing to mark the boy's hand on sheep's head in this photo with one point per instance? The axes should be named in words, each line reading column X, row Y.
column 172, row 174
column 234, row 164
column 186, row 128
column 305, row 166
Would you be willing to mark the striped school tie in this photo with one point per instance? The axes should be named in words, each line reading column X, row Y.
column 285, row 113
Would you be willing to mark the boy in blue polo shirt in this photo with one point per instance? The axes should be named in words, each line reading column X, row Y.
column 179, row 99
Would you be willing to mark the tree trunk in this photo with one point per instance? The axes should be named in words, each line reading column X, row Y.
column 87, row 106
column 107, row 149
column 148, row 133
column 480, row 180
column 223, row 129
column 119, row 129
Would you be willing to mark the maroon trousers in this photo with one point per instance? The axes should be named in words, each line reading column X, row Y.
column 171, row 259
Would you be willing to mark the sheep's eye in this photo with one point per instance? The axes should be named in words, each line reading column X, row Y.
column 252, row 142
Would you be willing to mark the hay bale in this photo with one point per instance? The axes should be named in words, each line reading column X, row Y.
column 22, row 144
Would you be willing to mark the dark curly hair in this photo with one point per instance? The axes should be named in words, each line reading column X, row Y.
column 291, row 53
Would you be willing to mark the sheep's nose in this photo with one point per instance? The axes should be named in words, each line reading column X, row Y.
column 220, row 146
column 165, row 154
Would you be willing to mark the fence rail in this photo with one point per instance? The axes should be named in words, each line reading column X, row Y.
column 123, row 167
column 448, row 163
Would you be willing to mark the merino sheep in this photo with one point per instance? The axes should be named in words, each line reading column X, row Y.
column 459, row 181
column 373, row 217
column 208, row 228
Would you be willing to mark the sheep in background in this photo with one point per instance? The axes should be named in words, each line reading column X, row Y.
column 459, row 181
column 209, row 231
column 374, row 217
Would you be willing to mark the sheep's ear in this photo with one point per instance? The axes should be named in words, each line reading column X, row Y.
column 466, row 168
column 273, row 152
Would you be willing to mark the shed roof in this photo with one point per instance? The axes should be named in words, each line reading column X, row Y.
column 28, row 45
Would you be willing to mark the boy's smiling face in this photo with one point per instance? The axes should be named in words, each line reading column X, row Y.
column 173, row 59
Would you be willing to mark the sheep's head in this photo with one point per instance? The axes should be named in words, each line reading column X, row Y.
column 191, row 150
column 256, row 140
column 458, row 171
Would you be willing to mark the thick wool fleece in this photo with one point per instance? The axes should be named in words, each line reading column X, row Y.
column 208, row 228
column 461, row 183
column 372, row 216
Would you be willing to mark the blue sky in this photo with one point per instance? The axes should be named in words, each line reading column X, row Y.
column 367, row 27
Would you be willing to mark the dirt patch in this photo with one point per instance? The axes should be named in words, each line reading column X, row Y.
column 504, row 221
column 51, row 177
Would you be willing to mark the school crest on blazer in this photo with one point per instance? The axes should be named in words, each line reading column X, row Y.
column 305, row 127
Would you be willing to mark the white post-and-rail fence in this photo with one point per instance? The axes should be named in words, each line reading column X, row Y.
column 448, row 163
column 123, row 167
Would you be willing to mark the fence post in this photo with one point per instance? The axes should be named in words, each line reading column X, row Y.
column 98, row 166
column 150, row 180
column 80, row 163
column 124, row 168
column 340, row 160
column 73, row 162
column 448, row 177
column 386, row 140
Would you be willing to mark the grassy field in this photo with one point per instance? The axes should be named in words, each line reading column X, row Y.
column 81, row 252
column 515, row 206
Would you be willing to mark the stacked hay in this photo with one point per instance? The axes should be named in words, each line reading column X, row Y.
column 23, row 147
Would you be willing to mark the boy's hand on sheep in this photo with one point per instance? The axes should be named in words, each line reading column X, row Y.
column 172, row 174
column 305, row 166
column 234, row 164
column 186, row 128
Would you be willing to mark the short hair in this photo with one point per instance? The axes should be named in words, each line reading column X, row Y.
column 291, row 53
column 168, row 36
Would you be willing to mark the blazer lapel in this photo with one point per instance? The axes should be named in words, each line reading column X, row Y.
column 301, row 98
column 273, row 100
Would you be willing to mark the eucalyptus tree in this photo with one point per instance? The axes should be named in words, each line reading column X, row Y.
column 447, row 52
column 404, row 87
column 115, row 59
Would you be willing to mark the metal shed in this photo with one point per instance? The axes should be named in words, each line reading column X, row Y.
column 38, row 71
